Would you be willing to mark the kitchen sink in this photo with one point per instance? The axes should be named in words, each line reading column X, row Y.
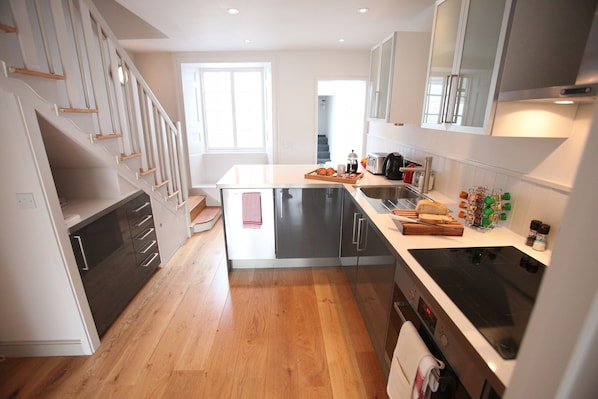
column 386, row 198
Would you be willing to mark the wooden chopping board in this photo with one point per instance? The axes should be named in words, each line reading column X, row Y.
column 454, row 228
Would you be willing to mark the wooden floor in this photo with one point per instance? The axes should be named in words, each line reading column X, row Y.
column 197, row 331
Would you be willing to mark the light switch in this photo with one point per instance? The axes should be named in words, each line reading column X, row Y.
column 26, row 200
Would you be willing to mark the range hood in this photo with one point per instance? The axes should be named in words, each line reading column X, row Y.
column 574, row 72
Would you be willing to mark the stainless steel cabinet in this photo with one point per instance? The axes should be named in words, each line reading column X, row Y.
column 467, row 42
column 308, row 222
column 370, row 264
column 245, row 243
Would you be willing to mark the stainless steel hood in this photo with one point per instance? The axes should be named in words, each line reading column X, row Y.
column 574, row 72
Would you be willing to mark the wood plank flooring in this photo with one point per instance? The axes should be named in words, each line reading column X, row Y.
column 198, row 331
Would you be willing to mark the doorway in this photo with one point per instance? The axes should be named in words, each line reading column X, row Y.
column 341, row 120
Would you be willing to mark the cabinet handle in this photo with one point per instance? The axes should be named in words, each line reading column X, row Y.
column 355, row 236
column 142, row 221
column 362, row 238
column 144, row 234
column 147, row 247
column 451, row 100
column 78, row 238
column 445, row 99
column 140, row 207
column 149, row 260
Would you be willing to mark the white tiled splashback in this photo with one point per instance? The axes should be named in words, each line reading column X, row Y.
column 529, row 199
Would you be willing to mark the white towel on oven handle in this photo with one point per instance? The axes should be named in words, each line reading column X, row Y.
column 411, row 354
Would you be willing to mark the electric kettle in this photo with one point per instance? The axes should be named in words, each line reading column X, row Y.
column 391, row 165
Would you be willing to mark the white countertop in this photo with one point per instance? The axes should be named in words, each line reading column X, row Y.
column 278, row 176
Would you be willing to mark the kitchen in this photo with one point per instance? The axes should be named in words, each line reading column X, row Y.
column 540, row 159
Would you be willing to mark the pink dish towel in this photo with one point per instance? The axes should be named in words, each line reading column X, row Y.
column 252, row 210
column 425, row 382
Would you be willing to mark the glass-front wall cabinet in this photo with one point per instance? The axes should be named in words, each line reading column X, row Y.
column 467, row 42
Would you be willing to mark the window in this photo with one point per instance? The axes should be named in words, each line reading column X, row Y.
column 232, row 106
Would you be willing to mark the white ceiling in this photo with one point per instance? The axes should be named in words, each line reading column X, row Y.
column 204, row 25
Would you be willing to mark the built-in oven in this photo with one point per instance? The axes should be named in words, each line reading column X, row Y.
column 466, row 375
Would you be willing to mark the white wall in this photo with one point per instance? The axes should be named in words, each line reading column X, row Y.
column 295, row 75
column 559, row 355
column 39, row 309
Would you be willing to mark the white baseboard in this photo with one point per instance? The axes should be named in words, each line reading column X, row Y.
column 42, row 348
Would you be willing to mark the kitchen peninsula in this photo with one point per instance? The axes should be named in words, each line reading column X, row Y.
column 255, row 178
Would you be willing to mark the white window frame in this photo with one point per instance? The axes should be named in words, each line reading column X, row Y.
column 263, row 69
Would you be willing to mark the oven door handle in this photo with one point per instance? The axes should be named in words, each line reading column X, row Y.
column 402, row 304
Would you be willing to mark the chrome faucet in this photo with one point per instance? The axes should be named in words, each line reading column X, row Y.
column 427, row 169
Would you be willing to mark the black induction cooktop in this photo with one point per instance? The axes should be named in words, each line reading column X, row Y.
column 494, row 287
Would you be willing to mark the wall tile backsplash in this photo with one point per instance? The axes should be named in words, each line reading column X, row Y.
column 529, row 199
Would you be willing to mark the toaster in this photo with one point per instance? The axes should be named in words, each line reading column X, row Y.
column 375, row 162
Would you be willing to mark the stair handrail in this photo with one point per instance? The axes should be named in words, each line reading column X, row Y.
column 132, row 112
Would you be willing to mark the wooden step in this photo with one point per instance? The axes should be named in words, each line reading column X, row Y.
column 7, row 28
column 79, row 110
column 146, row 172
column 197, row 203
column 100, row 137
column 124, row 157
column 206, row 219
column 160, row 185
column 38, row 74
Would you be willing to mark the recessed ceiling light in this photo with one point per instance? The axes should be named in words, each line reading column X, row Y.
column 363, row 10
column 232, row 11
column 341, row 40
column 247, row 41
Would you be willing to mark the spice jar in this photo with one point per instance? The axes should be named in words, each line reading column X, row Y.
column 533, row 231
column 540, row 243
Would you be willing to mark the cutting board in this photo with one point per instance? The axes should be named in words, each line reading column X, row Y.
column 454, row 228
column 346, row 178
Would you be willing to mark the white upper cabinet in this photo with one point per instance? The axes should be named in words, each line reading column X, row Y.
column 467, row 41
column 397, row 78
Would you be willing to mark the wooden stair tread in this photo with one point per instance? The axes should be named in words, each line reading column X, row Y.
column 79, row 110
column 206, row 215
column 196, row 204
column 101, row 137
column 124, row 157
column 7, row 28
column 146, row 172
column 38, row 74
column 162, row 184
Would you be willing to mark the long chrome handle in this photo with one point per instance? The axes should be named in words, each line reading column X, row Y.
column 78, row 238
column 149, row 260
column 355, row 233
column 143, row 221
column 147, row 247
column 144, row 234
column 137, row 210
column 451, row 114
column 362, row 234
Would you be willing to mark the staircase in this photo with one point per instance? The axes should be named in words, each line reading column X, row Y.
column 203, row 217
column 64, row 51
column 323, row 149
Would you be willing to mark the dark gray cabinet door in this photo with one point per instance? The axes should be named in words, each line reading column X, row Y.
column 308, row 222
column 351, row 216
column 374, row 285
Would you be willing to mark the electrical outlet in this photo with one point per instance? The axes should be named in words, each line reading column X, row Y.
column 26, row 201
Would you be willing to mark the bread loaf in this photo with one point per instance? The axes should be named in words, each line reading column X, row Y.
column 431, row 208
column 435, row 219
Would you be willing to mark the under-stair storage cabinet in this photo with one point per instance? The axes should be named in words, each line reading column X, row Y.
column 116, row 254
column 467, row 42
column 397, row 77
